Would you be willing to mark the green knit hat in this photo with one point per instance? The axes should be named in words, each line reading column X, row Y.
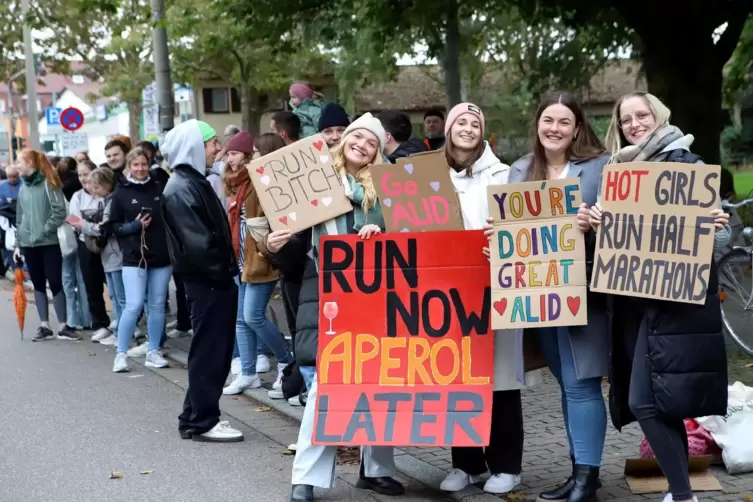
column 207, row 132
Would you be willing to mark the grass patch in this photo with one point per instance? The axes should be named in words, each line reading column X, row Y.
column 743, row 183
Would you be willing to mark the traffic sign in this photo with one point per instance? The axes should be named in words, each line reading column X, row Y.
column 74, row 142
column 71, row 119
column 53, row 116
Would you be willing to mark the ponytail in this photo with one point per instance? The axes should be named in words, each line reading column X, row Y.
column 39, row 162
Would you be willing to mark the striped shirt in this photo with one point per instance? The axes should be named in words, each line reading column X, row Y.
column 242, row 249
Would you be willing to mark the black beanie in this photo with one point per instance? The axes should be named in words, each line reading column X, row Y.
column 333, row 115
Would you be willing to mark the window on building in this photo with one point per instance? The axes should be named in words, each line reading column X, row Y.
column 235, row 100
column 216, row 100
column 77, row 79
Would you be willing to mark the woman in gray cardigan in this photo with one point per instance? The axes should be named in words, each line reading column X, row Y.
column 565, row 146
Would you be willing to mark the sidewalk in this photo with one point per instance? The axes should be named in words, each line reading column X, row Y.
column 545, row 458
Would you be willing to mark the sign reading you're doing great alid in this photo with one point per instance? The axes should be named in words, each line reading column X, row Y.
column 298, row 185
column 656, row 237
column 537, row 254
column 406, row 353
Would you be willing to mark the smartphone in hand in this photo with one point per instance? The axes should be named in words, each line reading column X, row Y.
column 73, row 219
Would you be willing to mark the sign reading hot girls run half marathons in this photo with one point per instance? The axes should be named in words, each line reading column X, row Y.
column 406, row 354
column 538, row 255
column 298, row 186
column 656, row 236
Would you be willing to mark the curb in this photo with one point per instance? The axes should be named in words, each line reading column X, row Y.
column 408, row 465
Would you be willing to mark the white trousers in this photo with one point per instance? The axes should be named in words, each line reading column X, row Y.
column 315, row 465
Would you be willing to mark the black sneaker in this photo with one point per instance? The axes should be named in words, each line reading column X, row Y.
column 43, row 333
column 68, row 333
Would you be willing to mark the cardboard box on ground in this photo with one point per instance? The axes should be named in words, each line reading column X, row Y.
column 656, row 238
column 417, row 194
column 298, row 186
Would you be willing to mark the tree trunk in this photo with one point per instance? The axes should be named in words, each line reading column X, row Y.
column 251, row 111
column 134, row 121
column 693, row 92
column 451, row 59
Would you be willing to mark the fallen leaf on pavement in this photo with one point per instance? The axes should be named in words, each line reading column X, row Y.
column 287, row 452
column 749, row 497
column 116, row 475
column 92, row 353
column 262, row 409
column 146, row 472
column 515, row 496
column 749, row 365
column 136, row 376
column 236, row 398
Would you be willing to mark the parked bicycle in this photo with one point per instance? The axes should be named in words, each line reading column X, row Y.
column 735, row 270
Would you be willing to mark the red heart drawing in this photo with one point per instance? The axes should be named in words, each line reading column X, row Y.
column 500, row 306
column 284, row 220
column 260, row 170
column 573, row 303
column 314, row 202
column 318, row 145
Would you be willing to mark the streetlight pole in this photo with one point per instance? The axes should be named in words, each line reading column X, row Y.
column 165, row 100
column 31, row 82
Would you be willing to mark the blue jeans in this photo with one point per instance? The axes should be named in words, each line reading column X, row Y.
column 77, row 306
column 252, row 324
column 116, row 291
column 142, row 283
column 307, row 372
column 582, row 402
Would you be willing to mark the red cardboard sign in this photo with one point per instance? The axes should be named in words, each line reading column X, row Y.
column 406, row 350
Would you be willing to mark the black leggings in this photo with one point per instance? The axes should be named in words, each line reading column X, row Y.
column 667, row 438
column 45, row 264
column 504, row 455
column 94, row 279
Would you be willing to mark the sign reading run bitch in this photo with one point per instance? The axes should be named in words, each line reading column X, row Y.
column 537, row 254
column 298, row 185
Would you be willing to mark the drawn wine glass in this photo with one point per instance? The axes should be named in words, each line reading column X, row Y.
column 330, row 311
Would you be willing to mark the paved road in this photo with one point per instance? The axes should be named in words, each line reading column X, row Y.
column 68, row 422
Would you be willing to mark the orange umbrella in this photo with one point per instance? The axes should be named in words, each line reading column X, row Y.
column 19, row 300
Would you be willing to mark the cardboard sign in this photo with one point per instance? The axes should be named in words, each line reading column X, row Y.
column 656, row 236
column 406, row 354
column 417, row 194
column 645, row 476
column 298, row 186
column 538, row 255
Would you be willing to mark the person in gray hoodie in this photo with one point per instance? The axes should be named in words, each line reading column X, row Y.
column 41, row 211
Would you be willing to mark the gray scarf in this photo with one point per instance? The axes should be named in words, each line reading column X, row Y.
column 650, row 149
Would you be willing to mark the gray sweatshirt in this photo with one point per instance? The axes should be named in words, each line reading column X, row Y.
column 84, row 205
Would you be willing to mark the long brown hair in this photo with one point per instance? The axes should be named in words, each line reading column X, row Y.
column 586, row 145
column 38, row 161
column 268, row 143
column 64, row 165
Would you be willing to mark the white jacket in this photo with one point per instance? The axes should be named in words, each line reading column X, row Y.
column 488, row 170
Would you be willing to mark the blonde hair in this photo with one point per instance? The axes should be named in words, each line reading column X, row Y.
column 614, row 140
column 103, row 177
column 133, row 155
column 363, row 176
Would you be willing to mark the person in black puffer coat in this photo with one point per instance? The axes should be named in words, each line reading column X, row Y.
column 668, row 359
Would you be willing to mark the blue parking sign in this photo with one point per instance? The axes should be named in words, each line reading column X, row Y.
column 53, row 116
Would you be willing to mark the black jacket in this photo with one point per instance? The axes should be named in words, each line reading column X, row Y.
column 71, row 184
column 290, row 260
column 127, row 202
column 434, row 143
column 686, row 351
column 198, row 233
column 307, row 317
column 408, row 148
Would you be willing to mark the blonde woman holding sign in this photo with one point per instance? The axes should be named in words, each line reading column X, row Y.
column 668, row 358
column 473, row 167
column 565, row 146
column 361, row 146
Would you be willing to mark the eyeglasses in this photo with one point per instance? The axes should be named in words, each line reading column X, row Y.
column 640, row 117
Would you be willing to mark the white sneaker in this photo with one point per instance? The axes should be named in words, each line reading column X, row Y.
column 139, row 350
column 276, row 392
column 10, row 275
column 294, row 401
column 155, row 360
column 262, row 364
column 176, row 333
column 113, row 324
column 501, row 483
column 101, row 334
column 220, row 433
column 293, row 447
column 235, row 366
column 241, row 383
column 668, row 498
column 456, row 480
column 110, row 341
column 172, row 325
column 121, row 364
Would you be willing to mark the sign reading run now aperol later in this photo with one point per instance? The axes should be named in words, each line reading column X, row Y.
column 406, row 352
